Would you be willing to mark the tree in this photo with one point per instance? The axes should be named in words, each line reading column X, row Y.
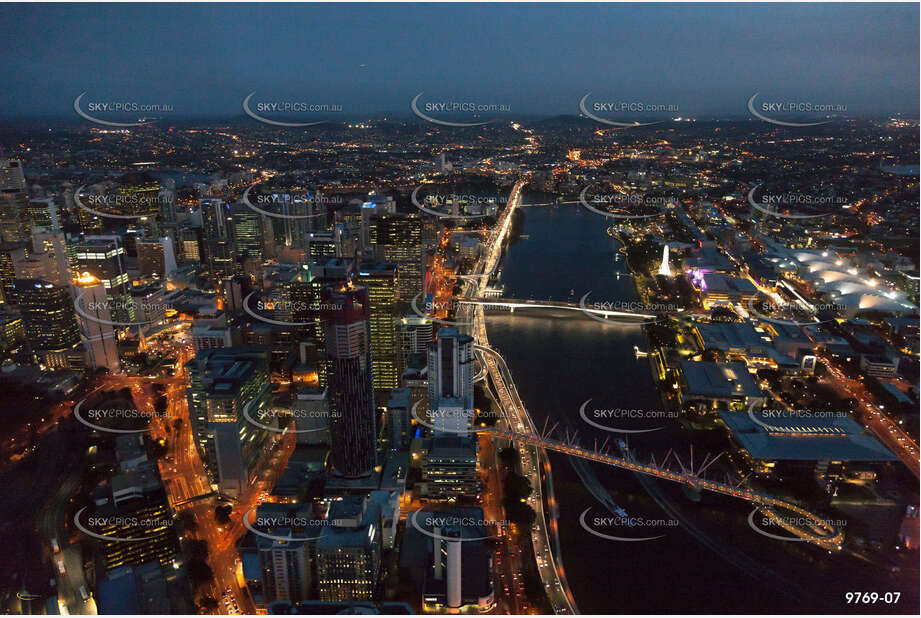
column 521, row 514
column 185, row 521
column 516, row 490
column 516, row 487
column 508, row 456
column 208, row 605
column 482, row 402
column 196, row 549
column 723, row 314
column 222, row 513
column 710, row 355
column 156, row 449
column 199, row 572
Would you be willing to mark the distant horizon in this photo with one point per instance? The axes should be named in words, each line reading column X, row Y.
column 394, row 116
column 537, row 60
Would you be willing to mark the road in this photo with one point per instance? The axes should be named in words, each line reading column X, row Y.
column 532, row 460
column 509, row 590
column 185, row 479
column 884, row 428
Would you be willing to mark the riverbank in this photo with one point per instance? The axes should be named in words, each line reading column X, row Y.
column 567, row 361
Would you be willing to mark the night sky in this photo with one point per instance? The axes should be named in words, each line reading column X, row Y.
column 537, row 59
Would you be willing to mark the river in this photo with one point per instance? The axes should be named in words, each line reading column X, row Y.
column 701, row 555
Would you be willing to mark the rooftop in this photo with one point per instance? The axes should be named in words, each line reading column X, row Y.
column 718, row 379
column 804, row 436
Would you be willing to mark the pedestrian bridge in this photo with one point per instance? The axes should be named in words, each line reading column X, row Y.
column 807, row 526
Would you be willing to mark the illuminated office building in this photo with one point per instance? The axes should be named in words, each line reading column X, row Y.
column 12, row 176
column 349, row 551
column 380, row 279
column 150, row 257
column 138, row 194
column 50, row 323
column 217, row 239
column 222, row 383
column 398, row 239
column 14, row 221
column 190, row 244
column 104, row 258
column 10, row 253
column 134, row 506
column 54, row 245
column 248, row 232
column 376, row 205
column 12, row 334
column 38, row 266
column 42, row 212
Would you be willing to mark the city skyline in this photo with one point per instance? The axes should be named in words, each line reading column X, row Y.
column 617, row 314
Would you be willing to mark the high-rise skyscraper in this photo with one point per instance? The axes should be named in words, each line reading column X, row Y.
column 12, row 177
column 380, row 279
column 10, row 254
column 43, row 212
column 190, row 241
column 14, row 220
column 450, row 467
column 147, row 304
column 349, row 551
column 350, row 380
column 138, row 194
column 305, row 292
column 399, row 428
column 14, row 200
column 39, row 266
column 104, row 258
column 284, row 561
column 53, row 243
column 222, row 383
column 169, row 255
column 166, row 201
column 336, row 242
column 450, row 372
column 459, row 579
column 236, row 289
column 150, row 257
column 12, row 333
column 96, row 331
column 134, row 506
column 248, row 233
column 296, row 213
column 414, row 334
column 50, row 322
column 217, row 238
column 398, row 239
column 89, row 223
column 377, row 205
column 285, row 569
